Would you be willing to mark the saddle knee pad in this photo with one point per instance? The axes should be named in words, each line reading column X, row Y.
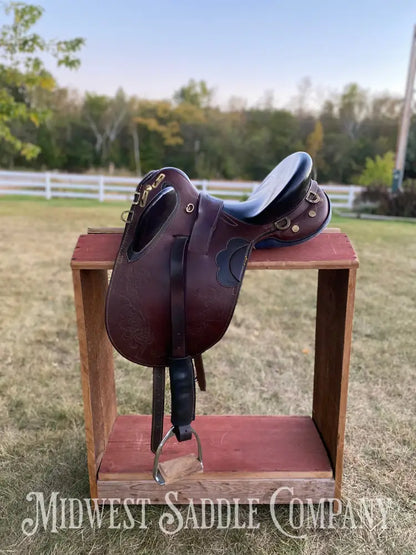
column 154, row 219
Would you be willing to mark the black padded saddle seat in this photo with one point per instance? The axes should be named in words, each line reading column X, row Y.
column 280, row 192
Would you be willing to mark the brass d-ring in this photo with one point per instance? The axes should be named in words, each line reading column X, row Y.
column 126, row 219
column 282, row 224
column 312, row 197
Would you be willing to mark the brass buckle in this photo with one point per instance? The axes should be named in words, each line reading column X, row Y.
column 157, row 475
column 312, row 197
column 282, row 224
column 136, row 198
column 146, row 191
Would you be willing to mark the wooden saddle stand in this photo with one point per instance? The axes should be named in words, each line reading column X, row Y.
column 244, row 456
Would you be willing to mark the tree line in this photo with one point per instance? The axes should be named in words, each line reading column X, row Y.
column 187, row 131
column 43, row 126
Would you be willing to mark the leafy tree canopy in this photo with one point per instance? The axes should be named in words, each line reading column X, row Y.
column 196, row 93
column 378, row 171
column 23, row 75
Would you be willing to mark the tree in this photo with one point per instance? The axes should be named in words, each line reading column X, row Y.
column 196, row 93
column 302, row 98
column 353, row 108
column 23, row 75
column 157, row 122
column 315, row 140
column 378, row 172
column 105, row 116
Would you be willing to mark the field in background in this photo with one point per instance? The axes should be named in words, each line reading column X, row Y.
column 263, row 365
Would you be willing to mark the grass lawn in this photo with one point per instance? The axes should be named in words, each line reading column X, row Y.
column 263, row 366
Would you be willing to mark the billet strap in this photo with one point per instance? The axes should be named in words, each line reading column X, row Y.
column 200, row 372
column 181, row 369
column 158, row 406
column 209, row 210
column 177, row 296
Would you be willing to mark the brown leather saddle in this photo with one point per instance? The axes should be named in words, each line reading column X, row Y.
column 179, row 270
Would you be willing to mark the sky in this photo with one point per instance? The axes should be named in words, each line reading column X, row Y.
column 246, row 49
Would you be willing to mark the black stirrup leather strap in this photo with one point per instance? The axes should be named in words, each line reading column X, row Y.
column 158, row 406
column 181, row 369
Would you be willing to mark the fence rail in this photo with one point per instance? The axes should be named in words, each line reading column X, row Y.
column 102, row 188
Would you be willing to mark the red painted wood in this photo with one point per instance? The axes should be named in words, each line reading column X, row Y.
column 97, row 247
column 326, row 247
column 230, row 444
column 325, row 250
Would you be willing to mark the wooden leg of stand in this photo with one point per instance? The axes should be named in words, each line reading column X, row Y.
column 97, row 366
column 335, row 305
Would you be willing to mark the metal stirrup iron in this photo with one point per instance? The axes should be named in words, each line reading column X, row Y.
column 158, row 474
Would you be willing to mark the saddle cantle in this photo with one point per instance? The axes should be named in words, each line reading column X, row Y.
column 179, row 270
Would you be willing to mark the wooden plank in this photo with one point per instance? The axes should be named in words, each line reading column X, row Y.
column 262, row 490
column 327, row 250
column 241, row 446
column 86, row 393
column 105, row 230
column 335, row 307
column 180, row 468
column 97, row 367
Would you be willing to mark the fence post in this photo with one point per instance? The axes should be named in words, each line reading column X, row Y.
column 204, row 185
column 48, row 191
column 351, row 197
column 101, row 188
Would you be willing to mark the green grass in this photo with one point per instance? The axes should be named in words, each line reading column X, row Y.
column 263, row 365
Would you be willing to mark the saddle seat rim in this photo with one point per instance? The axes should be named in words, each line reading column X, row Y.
column 280, row 192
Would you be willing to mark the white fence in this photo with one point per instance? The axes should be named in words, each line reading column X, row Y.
column 342, row 196
column 100, row 187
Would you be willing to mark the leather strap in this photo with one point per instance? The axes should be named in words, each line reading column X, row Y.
column 209, row 209
column 182, row 388
column 181, row 370
column 158, row 406
column 177, row 296
column 200, row 372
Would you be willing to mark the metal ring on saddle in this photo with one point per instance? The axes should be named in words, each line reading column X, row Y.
column 282, row 224
column 156, row 472
column 312, row 197
column 126, row 219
